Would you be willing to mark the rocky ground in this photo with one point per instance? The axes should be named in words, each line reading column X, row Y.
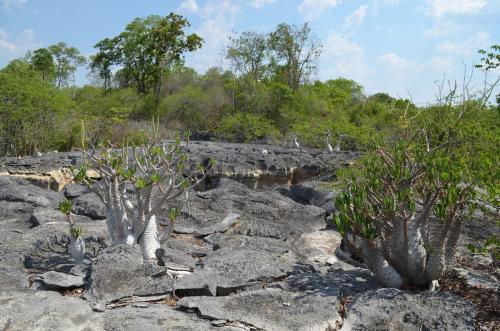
column 245, row 254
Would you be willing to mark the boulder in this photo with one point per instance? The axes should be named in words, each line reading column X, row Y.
column 43, row 215
column 116, row 273
column 157, row 317
column 53, row 280
column 228, row 270
column 392, row 309
column 89, row 205
column 315, row 193
column 19, row 196
column 74, row 190
column 262, row 214
column 271, row 309
column 45, row 310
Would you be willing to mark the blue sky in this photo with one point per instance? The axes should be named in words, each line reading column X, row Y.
column 395, row 46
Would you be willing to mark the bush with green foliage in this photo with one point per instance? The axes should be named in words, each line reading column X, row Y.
column 34, row 115
column 246, row 128
column 402, row 210
column 159, row 174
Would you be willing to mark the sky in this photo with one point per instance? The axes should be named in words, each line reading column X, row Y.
column 401, row 47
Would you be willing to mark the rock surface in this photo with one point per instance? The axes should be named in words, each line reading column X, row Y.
column 239, row 258
column 18, row 196
column 271, row 309
column 391, row 309
column 45, row 310
column 89, row 205
column 53, row 280
column 244, row 162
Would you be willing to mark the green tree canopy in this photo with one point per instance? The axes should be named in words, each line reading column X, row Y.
column 146, row 50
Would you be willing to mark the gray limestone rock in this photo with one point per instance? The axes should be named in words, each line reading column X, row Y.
column 19, row 196
column 392, row 309
column 44, row 215
column 263, row 214
column 53, row 280
column 46, row 310
column 158, row 317
column 74, row 190
column 271, row 309
column 116, row 273
column 89, row 205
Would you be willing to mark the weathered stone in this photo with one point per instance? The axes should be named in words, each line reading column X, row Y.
column 318, row 246
column 157, row 317
column 116, row 273
column 44, row 215
column 258, row 166
column 271, row 309
column 392, row 309
column 53, row 280
column 17, row 192
column 74, row 190
column 314, row 193
column 89, row 205
column 477, row 279
column 336, row 282
column 231, row 241
column 45, row 310
column 228, row 270
column 264, row 214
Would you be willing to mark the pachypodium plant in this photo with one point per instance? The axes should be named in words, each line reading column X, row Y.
column 158, row 173
column 402, row 210
column 76, row 246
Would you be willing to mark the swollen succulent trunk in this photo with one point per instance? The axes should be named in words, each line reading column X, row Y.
column 158, row 175
column 414, row 251
column 76, row 249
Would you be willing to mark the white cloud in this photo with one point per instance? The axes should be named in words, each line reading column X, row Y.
column 218, row 19
column 438, row 8
column 259, row 3
column 441, row 64
column 342, row 57
column 467, row 47
column 312, row 9
column 19, row 45
column 189, row 5
column 442, row 29
column 394, row 60
column 10, row 4
column 387, row 2
column 356, row 18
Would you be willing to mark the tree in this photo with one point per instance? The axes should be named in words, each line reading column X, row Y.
column 247, row 54
column 147, row 49
column 102, row 62
column 33, row 114
column 490, row 61
column 43, row 62
column 295, row 53
column 66, row 59
column 158, row 173
column 402, row 211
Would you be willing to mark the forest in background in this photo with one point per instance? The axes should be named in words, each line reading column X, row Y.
column 266, row 95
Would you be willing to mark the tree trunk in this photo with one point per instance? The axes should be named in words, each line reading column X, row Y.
column 149, row 240
column 76, row 249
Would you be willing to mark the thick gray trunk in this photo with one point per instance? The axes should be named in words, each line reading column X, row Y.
column 76, row 249
column 149, row 240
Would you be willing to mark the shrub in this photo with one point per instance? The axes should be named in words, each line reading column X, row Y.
column 243, row 127
column 158, row 173
column 402, row 210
